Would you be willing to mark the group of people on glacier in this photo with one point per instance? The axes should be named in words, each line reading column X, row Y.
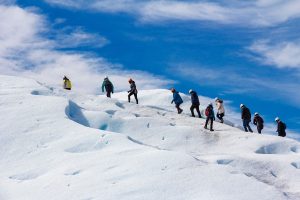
column 258, row 121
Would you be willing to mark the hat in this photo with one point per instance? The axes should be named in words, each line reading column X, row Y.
column 256, row 113
column 172, row 89
column 242, row 105
column 106, row 77
column 217, row 98
column 277, row 119
column 190, row 91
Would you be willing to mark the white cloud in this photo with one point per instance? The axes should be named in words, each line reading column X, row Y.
column 239, row 82
column 237, row 12
column 25, row 51
column 281, row 55
column 79, row 38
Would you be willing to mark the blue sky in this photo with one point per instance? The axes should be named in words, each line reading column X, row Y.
column 244, row 52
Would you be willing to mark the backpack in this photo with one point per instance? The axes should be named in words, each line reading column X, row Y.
column 207, row 111
column 108, row 85
column 284, row 125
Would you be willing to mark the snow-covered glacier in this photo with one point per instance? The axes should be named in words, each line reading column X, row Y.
column 59, row 145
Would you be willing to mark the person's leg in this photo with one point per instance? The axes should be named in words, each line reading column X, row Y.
column 206, row 122
column 136, row 99
column 211, row 124
column 108, row 94
column 245, row 125
column 129, row 95
column 180, row 110
column 221, row 116
column 248, row 126
column 198, row 111
column 258, row 129
column 192, row 110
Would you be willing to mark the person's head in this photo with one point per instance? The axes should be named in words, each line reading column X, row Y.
column 242, row 106
column 106, row 78
column 65, row 78
column 217, row 99
column 256, row 114
column 277, row 119
column 130, row 80
column 173, row 90
column 210, row 104
column 190, row 91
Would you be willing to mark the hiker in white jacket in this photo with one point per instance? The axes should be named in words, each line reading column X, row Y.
column 220, row 108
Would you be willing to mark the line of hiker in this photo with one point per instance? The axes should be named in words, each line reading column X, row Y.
column 209, row 111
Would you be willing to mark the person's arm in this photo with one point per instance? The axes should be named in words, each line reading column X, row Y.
column 103, row 86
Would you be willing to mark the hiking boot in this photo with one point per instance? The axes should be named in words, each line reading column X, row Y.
column 180, row 111
column 205, row 127
column 212, row 130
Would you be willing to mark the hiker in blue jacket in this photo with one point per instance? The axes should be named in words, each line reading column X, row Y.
column 195, row 103
column 177, row 100
column 210, row 116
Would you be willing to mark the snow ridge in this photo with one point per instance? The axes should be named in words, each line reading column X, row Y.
column 57, row 144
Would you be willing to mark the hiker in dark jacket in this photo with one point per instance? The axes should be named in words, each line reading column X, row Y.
column 280, row 127
column 109, row 87
column 177, row 100
column 132, row 91
column 210, row 116
column 195, row 103
column 246, row 117
column 259, row 122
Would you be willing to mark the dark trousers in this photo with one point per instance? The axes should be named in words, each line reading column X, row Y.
column 259, row 128
column 220, row 116
column 135, row 96
column 195, row 106
column 108, row 94
column 211, row 122
column 179, row 110
column 246, row 125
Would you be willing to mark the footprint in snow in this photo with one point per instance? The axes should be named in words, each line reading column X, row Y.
column 120, row 105
column 73, row 173
column 111, row 112
column 296, row 165
column 224, row 161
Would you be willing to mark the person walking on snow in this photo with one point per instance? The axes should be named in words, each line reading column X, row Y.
column 246, row 117
column 280, row 127
column 220, row 108
column 109, row 87
column 177, row 100
column 67, row 83
column 132, row 91
column 195, row 103
column 259, row 122
column 210, row 116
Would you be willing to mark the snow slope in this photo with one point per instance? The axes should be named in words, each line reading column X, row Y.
column 59, row 145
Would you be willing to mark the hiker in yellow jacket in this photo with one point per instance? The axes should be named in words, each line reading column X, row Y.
column 67, row 83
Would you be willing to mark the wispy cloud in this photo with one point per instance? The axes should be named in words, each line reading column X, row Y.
column 281, row 55
column 243, row 13
column 79, row 38
column 26, row 50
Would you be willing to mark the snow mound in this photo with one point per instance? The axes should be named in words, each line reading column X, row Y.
column 59, row 145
